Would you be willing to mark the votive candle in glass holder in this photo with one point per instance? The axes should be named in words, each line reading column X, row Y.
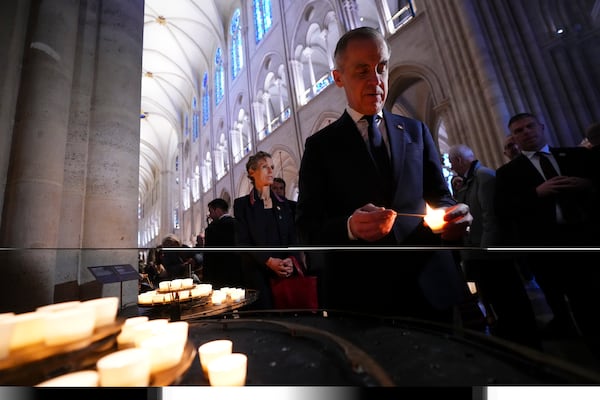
column 165, row 351
column 106, row 310
column 176, row 284
column 126, row 338
column 7, row 327
column 228, row 370
column 129, row 367
column 28, row 330
column 146, row 329
column 85, row 378
column 68, row 324
column 212, row 350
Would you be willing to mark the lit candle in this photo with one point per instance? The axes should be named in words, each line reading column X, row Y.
column 68, row 324
column 165, row 352
column 73, row 379
column 435, row 219
column 228, row 370
column 29, row 330
column 7, row 327
column 176, row 284
column 129, row 367
column 146, row 297
column 218, row 297
column 106, row 310
column 147, row 329
column 126, row 338
column 210, row 351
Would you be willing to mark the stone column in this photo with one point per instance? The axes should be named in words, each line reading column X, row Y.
column 349, row 11
column 112, row 185
column 13, row 19
column 35, row 176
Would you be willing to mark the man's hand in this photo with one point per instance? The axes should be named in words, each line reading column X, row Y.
column 371, row 223
column 458, row 222
column 561, row 184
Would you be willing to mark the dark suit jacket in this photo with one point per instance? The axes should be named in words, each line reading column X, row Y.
column 260, row 227
column 533, row 219
column 222, row 268
column 337, row 176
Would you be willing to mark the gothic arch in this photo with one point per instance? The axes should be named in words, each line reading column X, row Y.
column 417, row 92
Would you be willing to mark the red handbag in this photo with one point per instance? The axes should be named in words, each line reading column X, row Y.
column 298, row 291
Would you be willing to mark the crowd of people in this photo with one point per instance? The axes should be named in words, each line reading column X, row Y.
column 365, row 181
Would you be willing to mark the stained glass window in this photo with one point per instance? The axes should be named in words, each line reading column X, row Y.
column 219, row 76
column 263, row 18
column 205, row 101
column 195, row 120
column 237, row 58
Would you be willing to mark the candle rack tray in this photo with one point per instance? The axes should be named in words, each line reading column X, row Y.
column 199, row 300
column 173, row 290
column 32, row 364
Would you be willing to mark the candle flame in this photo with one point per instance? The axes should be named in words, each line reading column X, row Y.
column 435, row 218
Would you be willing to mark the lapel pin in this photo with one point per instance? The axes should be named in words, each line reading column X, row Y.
column 400, row 127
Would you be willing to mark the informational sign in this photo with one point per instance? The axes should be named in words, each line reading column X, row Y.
column 114, row 273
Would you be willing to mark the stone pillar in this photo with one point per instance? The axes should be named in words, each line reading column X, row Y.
column 13, row 19
column 349, row 10
column 35, row 177
column 112, row 184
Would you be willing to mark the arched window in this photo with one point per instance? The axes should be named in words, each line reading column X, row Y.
column 186, row 125
column 195, row 120
column 219, row 77
column 205, row 101
column 262, row 18
column 237, row 58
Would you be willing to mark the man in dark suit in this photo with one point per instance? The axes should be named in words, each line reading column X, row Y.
column 279, row 187
column 352, row 195
column 499, row 284
column 546, row 194
column 221, row 268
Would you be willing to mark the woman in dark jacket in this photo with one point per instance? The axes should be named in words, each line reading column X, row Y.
column 264, row 220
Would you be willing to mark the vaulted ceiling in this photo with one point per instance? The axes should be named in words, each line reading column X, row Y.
column 180, row 38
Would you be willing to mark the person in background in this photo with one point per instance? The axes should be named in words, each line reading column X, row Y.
column 511, row 148
column 279, row 187
column 364, row 183
column 511, row 151
column 548, row 194
column 456, row 183
column 221, row 268
column 592, row 134
column 496, row 276
column 175, row 264
column 264, row 220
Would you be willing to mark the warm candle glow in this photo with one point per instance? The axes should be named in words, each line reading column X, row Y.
column 210, row 351
column 7, row 327
column 78, row 378
column 435, row 219
column 228, row 370
column 130, row 367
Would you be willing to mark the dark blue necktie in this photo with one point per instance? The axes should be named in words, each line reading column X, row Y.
column 568, row 207
column 378, row 149
column 546, row 164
